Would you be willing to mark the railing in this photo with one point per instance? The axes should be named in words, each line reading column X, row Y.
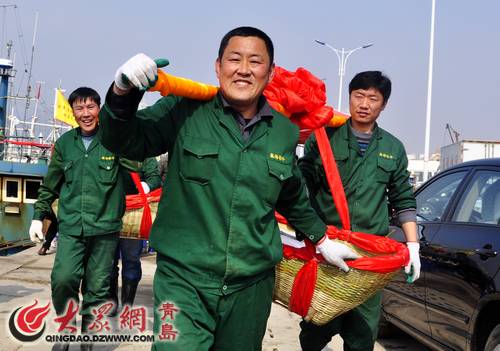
column 25, row 151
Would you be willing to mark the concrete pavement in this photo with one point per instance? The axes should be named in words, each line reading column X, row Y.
column 26, row 276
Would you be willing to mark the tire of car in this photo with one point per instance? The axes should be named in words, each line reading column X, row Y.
column 493, row 342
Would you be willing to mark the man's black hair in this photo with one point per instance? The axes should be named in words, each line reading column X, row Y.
column 247, row 32
column 84, row 93
column 372, row 79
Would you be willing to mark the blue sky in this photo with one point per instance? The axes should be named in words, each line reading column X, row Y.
column 83, row 43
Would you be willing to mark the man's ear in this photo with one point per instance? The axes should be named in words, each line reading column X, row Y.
column 217, row 68
column 271, row 73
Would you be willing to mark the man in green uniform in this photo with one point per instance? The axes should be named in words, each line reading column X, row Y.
column 373, row 167
column 83, row 175
column 231, row 165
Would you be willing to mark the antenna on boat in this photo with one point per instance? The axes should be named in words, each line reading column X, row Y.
column 35, row 116
column 28, row 90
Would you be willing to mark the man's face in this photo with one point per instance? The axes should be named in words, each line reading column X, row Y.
column 365, row 107
column 243, row 72
column 86, row 115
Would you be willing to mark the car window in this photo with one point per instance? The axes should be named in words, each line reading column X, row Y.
column 433, row 199
column 481, row 201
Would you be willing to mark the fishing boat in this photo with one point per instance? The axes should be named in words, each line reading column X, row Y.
column 23, row 164
column 24, row 157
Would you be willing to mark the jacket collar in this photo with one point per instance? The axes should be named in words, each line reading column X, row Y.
column 79, row 142
column 224, row 114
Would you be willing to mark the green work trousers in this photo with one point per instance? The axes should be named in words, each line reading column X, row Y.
column 358, row 328
column 206, row 320
column 86, row 259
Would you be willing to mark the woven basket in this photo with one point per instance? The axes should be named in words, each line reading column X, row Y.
column 132, row 221
column 335, row 292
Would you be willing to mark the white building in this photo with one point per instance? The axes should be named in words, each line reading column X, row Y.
column 468, row 150
column 416, row 166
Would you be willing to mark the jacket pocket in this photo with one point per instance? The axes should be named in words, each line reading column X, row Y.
column 108, row 171
column 278, row 174
column 68, row 171
column 198, row 160
column 385, row 168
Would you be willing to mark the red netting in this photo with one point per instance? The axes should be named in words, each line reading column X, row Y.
column 301, row 96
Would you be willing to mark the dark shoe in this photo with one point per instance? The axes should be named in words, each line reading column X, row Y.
column 42, row 251
column 60, row 347
column 129, row 289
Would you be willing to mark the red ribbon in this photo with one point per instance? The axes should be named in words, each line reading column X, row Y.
column 333, row 177
column 141, row 200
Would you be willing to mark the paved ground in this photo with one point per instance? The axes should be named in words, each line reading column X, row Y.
column 26, row 276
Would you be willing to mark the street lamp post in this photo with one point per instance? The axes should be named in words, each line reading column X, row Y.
column 342, row 56
column 429, row 92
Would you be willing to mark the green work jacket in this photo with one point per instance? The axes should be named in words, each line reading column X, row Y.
column 372, row 181
column 215, row 220
column 91, row 196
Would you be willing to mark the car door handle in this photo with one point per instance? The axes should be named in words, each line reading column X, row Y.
column 486, row 252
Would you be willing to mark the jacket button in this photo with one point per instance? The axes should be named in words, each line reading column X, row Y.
column 282, row 176
column 311, row 237
column 108, row 168
column 224, row 287
column 86, row 155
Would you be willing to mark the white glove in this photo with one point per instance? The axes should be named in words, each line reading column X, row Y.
column 335, row 253
column 413, row 267
column 139, row 71
column 145, row 187
column 36, row 234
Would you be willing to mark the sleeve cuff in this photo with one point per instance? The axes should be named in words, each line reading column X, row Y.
column 317, row 236
column 123, row 107
column 408, row 215
column 38, row 216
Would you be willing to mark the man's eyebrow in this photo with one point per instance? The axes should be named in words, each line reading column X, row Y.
column 241, row 54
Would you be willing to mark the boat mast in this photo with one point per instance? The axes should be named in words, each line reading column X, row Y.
column 5, row 74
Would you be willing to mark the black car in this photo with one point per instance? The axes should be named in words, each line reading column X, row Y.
column 455, row 305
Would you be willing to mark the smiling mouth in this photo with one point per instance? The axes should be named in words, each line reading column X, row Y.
column 242, row 83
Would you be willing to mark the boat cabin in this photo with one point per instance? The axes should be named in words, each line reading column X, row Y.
column 19, row 183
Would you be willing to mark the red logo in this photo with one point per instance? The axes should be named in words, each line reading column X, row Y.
column 27, row 324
